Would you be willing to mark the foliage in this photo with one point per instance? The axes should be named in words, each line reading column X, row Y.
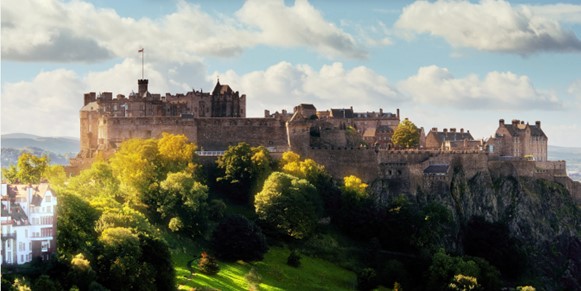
column 216, row 209
column 81, row 273
column 434, row 226
column 55, row 175
column 208, row 264
column 76, row 222
column 354, row 185
column 176, row 153
column 464, row 283
column 492, row 242
column 288, row 204
column 237, row 238
column 157, row 255
column 367, row 279
column 182, row 196
column 525, row 288
column 97, row 181
column 30, row 169
column 244, row 168
column 124, row 217
column 134, row 165
column 294, row 259
column 45, row 283
column 444, row 267
column 406, row 135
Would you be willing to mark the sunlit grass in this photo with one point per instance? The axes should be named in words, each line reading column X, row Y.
column 313, row 274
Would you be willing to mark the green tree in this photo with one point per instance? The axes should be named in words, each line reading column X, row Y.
column 244, row 168
column 288, row 204
column 135, row 165
column 176, row 153
column 76, row 225
column 237, row 238
column 355, row 186
column 181, row 196
column 29, row 169
column 81, row 274
column 96, row 181
column 406, row 135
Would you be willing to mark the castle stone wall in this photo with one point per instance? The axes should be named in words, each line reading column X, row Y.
column 219, row 133
column 341, row 162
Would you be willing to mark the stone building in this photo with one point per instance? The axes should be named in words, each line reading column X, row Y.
column 28, row 223
column 448, row 140
column 520, row 140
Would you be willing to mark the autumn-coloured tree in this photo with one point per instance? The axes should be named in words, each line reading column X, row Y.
column 406, row 135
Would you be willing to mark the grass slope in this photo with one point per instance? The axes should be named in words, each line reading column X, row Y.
column 313, row 274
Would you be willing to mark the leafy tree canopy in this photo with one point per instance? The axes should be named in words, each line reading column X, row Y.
column 288, row 204
column 406, row 135
column 237, row 238
column 30, row 169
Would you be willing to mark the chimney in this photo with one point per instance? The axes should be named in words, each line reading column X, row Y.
column 266, row 113
column 445, row 130
column 398, row 114
column 461, row 130
column 380, row 111
column 452, row 129
column 434, row 129
column 142, row 85
column 501, row 122
column 515, row 122
column 538, row 124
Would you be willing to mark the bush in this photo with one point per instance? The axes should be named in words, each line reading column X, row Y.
column 367, row 279
column 294, row 259
column 208, row 264
column 216, row 209
column 237, row 238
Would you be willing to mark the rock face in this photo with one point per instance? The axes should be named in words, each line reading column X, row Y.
column 540, row 214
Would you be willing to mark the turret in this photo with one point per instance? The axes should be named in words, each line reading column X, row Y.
column 142, row 85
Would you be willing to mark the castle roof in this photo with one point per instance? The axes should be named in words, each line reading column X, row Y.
column 342, row 113
column 220, row 89
column 91, row 106
column 436, row 169
column 443, row 136
column 516, row 130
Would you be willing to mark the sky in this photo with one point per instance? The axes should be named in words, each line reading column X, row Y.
column 444, row 64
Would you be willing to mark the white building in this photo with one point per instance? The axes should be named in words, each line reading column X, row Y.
column 28, row 223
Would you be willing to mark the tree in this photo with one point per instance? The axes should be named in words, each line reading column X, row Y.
column 464, row 283
column 135, row 165
column 288, row 204
column 237, row 238
column 354, row 185
column 182, row 197
column 367, row 279
column 406, row 135
column 29, row 169
column 76, row 225
column 176, row 153
column 97, row 181
column 244, row 167
column 208, row 264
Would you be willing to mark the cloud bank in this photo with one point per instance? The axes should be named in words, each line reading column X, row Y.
column 492, row 25
column 73, row 31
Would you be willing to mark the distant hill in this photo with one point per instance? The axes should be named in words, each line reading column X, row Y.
column 571, row 155
column 58, row 149
column 57, row 145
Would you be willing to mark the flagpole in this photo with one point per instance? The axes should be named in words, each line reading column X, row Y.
column 142, row 53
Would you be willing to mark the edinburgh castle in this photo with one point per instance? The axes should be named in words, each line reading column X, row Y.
column 345, row 141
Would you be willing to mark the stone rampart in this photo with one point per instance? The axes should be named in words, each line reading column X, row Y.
column 219, row 133
column 342, row 161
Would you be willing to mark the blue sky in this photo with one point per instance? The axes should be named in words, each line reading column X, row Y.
column 461, row 64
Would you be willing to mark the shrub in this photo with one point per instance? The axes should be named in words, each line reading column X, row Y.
column 294, row 259
column 367, row 279
column 208, row 264
column 237, row 238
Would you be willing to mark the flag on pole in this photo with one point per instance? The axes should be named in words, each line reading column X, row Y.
column 140, row 51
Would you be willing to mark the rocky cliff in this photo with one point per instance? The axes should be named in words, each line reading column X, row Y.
column 541, row 216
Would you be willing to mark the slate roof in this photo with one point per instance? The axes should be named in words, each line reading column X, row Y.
column 451, row 136
column 342, row 113
column 436, row 169
column 515, row 131
column 222, row 89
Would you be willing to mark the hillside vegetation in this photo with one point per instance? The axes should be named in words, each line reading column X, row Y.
column 154, row 217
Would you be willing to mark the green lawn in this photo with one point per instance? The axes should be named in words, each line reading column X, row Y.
column 313, row 274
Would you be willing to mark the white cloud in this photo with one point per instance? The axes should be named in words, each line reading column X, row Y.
column 490, row 25
column 569, row 13
column 284, row 85
column 47, row 105
column 62, row 31
column 297, row 25
column 497, row 90
column 575, row 89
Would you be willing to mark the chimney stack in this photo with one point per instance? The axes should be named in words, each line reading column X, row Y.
column 515, row 122
column 452, row 129
column 434, row 129
column 445, row 130
column 501, row 122
column 398, row 114
column 266, row 113
column 538, row 124
column 461, row 130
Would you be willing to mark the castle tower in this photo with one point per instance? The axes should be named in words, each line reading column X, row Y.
column 142, row 85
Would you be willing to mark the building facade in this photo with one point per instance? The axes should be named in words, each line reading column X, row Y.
column 28, row 223
column 520, row 140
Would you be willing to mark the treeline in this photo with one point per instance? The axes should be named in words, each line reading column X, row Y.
column 113, row 216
